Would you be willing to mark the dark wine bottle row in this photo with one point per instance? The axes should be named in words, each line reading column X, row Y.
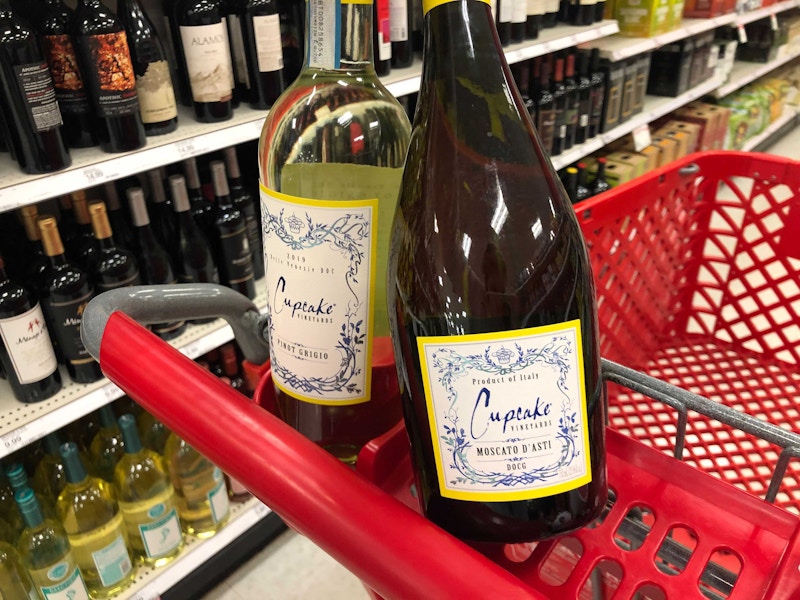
column 172, row 228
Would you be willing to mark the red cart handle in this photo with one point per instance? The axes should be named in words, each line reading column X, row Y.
column 392, row 549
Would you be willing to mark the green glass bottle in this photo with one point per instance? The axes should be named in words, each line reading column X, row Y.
column 106, row 448
column 49, row 477
column 15, row 583
column 91, row 516
column 147, row 500
column 46, row 553
column 18, row 480
column 203, row 504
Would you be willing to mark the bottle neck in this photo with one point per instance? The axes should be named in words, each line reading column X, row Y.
column 338, row 35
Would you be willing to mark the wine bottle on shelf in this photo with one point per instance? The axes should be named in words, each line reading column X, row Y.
column 49, row 477
column 202, row 498
column 18, row 481
column 571, row 100
column 206, row 58
column 91, row 516
column 15, row 582
column 28, row 99
column 155, row 267
column 65, row 217
column 381, row 37
column 163, row 215
column 241, row 78
column 36, row 261
column 599, row 10
column 400, row 33
column 113, row 266
column 534, row 11
column 571, row 183
column 293, row 22
column 560, row 103
column 521, row 74
column 10, row 518
column 259, row 28
column 485, row 302
column 243, row 200
column 336, row 134
column 582, row 191
column 545, row 108
column 80, row 125
column 147, row 500
column 106, row 448
column 234, row 256
column 550, row 18
column 26, row 352
column 583, row 12
column 152, row 432
column 105, row 63
column 123, row 233
column 505, row 9
column 600, row 184
column 65, row 293
column 584, row 88
column 47, row 554
column 519, row 20
column 157, row 105
column 84, row 245
column 202, row 209
column 174, row 49
column 598, row 92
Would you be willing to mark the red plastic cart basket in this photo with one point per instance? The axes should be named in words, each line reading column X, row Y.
column 659, row 249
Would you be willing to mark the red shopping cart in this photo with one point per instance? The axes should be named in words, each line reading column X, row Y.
column 696, row 268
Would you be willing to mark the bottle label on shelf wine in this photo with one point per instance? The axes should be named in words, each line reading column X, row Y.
column 208, row 61
column 60, row 582
column 546, row 126
column 507, row 412
column 156, row 94
column 321, row 258
column 237, row 256
column 398, row 20
column 218, row 498
column 269, row 51
column 238, row 58
column 551, row 7
column 383, row 25
column 163, row 535
column 63, row 64
column 505, row 11
column 37, row 88
column 65, row 318
column 113, row 562
column 111, row 81
column 534, row 7
column 28, row 345
column 520, row 11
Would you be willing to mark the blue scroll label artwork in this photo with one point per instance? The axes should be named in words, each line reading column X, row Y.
column 508, row 412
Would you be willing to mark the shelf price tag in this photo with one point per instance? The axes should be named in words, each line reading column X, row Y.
column 191, row 147
column 111, row 392
column 260, row 510
column 742, row 34
column 16, row 439
column 641, row 137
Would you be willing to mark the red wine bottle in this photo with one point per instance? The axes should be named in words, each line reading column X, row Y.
column 584, row 86
column 157, row 105
column 83, row 245
column 80, row 124
column 120, row 224
column 66, row 291
column 495, row 324
column 202, row 209
column 163, row 215
column 400, row 18
column 206, row 56
column 570, row 101
column 381, row 37
column 28, row 99
column 112, row 266
column 155, row 267
column 234, row 255
column 243, row 200
column 35, row 260
column 545, row 108
column 598, row 92
column 26, row 352
column 260, row 32
column 196, row 262
column 105, row 62
column 560, row 102
column 600, row 184
column 534, row 12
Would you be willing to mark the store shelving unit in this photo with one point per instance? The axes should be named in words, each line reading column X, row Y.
column 747, row 72
column 789, row 115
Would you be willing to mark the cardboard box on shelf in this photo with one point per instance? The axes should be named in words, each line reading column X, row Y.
column 639, row 162
column 642, row 18
column 692, row 129
column 669, row 149
column 616, row 172
column 653, row 155
column 670, row 68
column 704, row 9
column 682, row 138
column 713, row 122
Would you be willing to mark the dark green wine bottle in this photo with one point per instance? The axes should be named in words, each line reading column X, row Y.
column 492, row 302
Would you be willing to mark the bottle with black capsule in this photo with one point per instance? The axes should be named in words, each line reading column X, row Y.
column 36, row 261
column 234, row 256
column 598, row 92
column 571, row 101
column 534, row 11
column 155, row 266
column 400, row 20
column 83, row 246
column 120, row 224
column 163, row 216
column 101, row 46
column 545, row 108
column 571, row 183
column 600, row 183
column 28, row 99
column 202, row 209
column 505, row 9
column 244, row 201
column 519, row 20
column 381, row 37
column 112, row 266
column 559, row 92
column 259, row 29
column 492, row 304
column 584, row 89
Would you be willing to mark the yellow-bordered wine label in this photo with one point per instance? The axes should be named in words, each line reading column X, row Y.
column 429, row 4
column 320, row 258
column 507, row 412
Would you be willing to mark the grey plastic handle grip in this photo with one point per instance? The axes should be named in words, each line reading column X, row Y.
column 164, row 303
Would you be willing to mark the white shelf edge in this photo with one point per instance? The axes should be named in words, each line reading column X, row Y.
column 153, row 584
column 654, row 107
column 788, row 114
column 620, row 48
column 43, row 418
column 744, row 72
column 92, row 167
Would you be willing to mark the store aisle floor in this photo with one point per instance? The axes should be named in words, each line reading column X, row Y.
column 291, row 567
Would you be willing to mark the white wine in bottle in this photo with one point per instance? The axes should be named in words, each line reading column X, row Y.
column 330, row 158
column 147, row 500
column 15, row 582
column 88, row 508
column 493, row 304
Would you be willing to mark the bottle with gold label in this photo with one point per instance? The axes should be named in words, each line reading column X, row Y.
column 91, row 516
column 147, row 500
column 47, row 554
column 66, row 290
column 203, row 505
column 330, row 159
